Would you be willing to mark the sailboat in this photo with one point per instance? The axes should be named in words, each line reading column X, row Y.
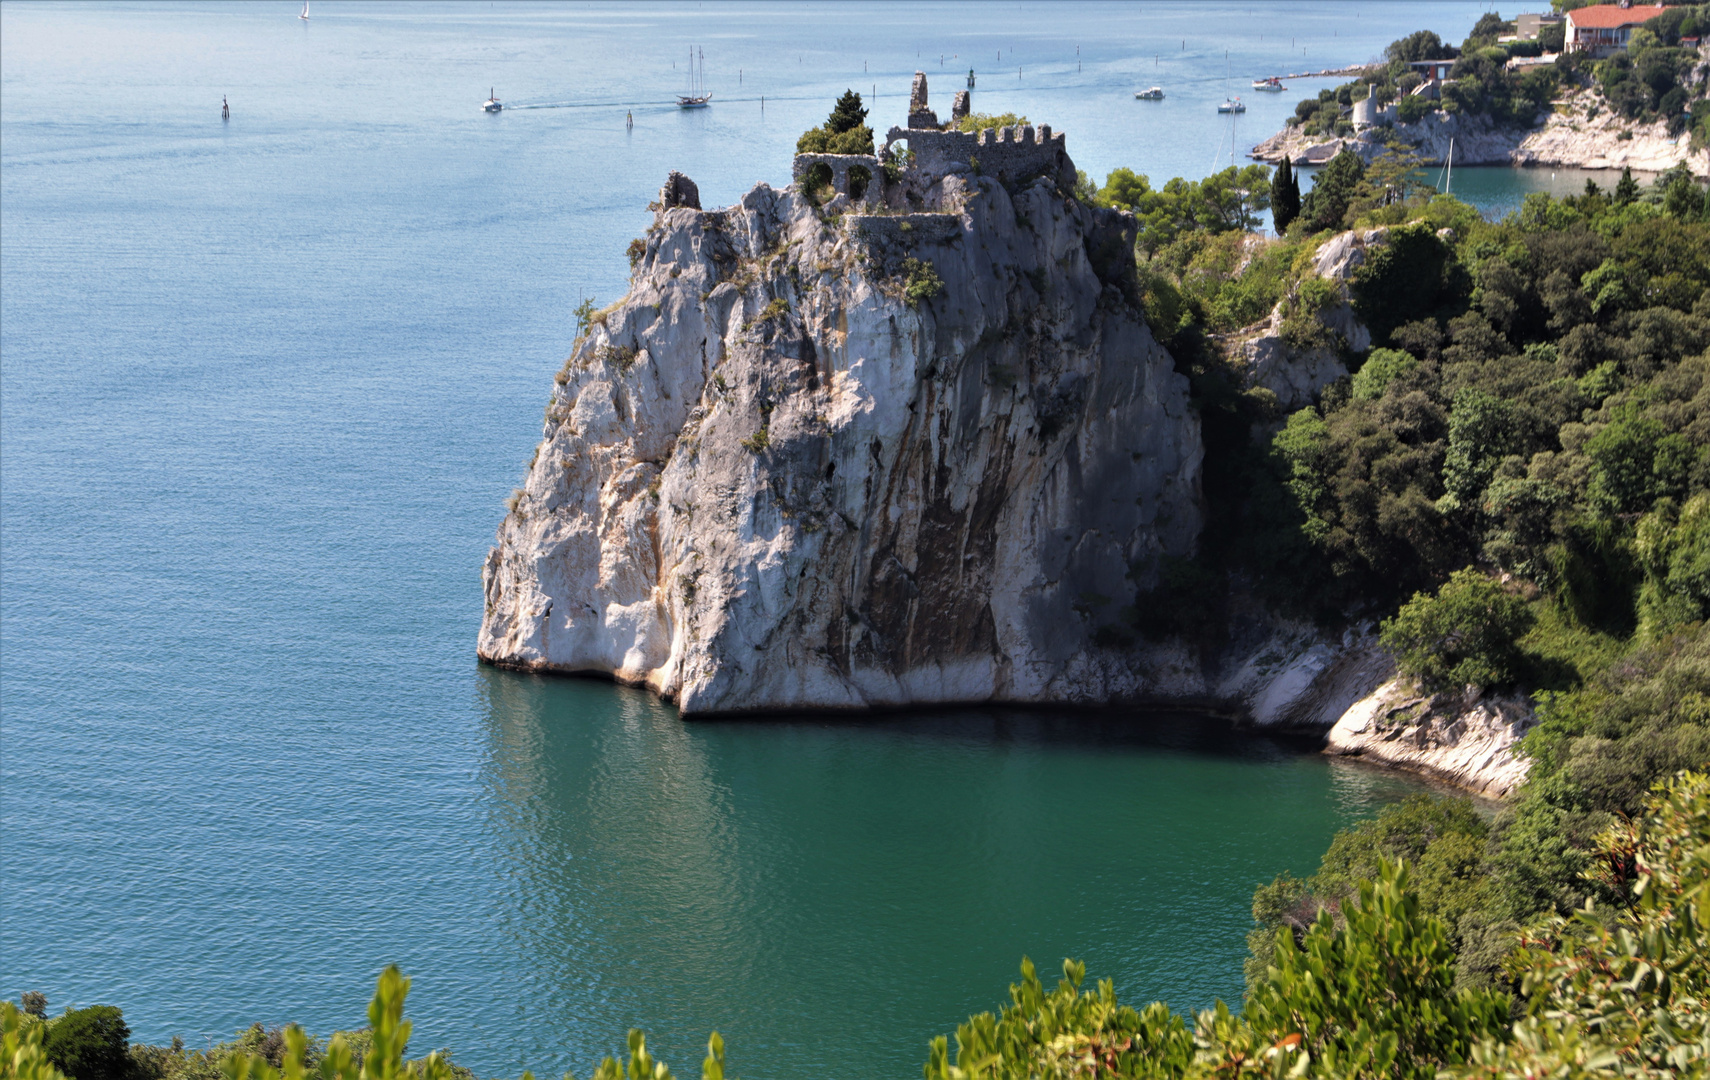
column 697, row 97
column 1230, row 105
column 304, row 14
column 492, row 103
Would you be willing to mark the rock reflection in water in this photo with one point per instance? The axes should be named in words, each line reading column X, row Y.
column 821, row 889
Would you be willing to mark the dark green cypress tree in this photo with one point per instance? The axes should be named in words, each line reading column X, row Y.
column 1628, row 189
column 1285, row 196
column 847, row 115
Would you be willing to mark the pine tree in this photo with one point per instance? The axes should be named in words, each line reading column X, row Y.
column 847, row 115
column 1627, row 190
column 1285, row 196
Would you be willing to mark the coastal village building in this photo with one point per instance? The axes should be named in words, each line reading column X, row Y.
column 1529, row 25
column 1605, row 29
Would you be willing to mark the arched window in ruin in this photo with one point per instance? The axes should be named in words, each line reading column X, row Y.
column 859, row 178
column 817, row 182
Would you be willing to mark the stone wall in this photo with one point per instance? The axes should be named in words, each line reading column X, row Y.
column 840, row 166
column 910, row 228
column 1013, row 155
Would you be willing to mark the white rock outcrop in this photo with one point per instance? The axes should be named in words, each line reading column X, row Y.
column 1578, row 132
column 1467, row 739
column 768, row 480
column 1581, row 133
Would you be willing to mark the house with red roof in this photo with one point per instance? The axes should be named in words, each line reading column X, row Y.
column 1604, row 29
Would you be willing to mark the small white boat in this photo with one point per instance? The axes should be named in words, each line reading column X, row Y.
column 1232, row 105
column 1272, row 85
column 492, row 104
column 304, row 14
column 1154, row 93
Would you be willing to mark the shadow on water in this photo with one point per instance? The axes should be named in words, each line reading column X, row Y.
column 871, row 880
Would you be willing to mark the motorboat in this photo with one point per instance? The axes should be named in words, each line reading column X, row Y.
column 492, row 103
column 1151, row 93
column 1232, row 105
column 1272, row 85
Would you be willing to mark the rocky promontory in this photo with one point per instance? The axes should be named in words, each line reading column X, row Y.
column 1578, row 132
column 901, row 442
column 819, row 458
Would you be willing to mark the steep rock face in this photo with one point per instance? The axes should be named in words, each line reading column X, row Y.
column 1582, row 132
column 1466, row 739
column 769, row 480
column 1477, row 141
column 1263, row 356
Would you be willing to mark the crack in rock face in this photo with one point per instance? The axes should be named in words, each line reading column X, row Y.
column 815, row 461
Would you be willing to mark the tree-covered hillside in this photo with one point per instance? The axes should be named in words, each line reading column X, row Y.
column 1655, row 78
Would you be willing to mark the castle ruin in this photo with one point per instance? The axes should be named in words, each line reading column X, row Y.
column 934, row 151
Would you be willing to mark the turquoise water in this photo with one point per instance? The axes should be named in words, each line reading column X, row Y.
column 263, row 388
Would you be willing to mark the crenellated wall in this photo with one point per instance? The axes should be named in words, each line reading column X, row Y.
column 1010, row 154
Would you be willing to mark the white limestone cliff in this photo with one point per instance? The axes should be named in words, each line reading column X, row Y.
column 768, row 480
column 1579, row 131
column 1466, row 739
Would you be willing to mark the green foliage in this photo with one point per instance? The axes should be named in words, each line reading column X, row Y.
column 843, row 131
column 1285, row 196
column 1419, row 45
column 1444, row 841
column 22, row 1055
column 1673, row 548
column 1226, row 201
column 1631, row 998
column 584, row 314
column 90, row 1044
column 1466, row 634
column 923, row 282
column 1483, row 430
column 847, row 114
column 974, row 123
column 1065, row 1032
column 1413, row 108
column 1381, row 368
column 1333, row 190
column 1402, row 280
column 1374, row 997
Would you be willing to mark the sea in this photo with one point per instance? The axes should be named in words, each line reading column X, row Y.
column 265, row 383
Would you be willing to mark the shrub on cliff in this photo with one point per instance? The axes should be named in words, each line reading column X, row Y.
column 974, row 123
column 90, row 1044
column 1465, row 634
column 844, row 131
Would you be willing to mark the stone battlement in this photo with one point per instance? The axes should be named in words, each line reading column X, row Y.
column 1012, row 155
column 1009, row 154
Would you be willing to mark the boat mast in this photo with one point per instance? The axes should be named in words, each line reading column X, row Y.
column 1450, row 185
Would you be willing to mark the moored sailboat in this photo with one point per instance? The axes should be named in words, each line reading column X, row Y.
column 697, row 97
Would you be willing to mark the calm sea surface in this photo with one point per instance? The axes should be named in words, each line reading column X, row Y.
column 264, row 386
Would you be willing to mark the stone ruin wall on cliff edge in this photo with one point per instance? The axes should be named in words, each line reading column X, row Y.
column 1012, row 155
